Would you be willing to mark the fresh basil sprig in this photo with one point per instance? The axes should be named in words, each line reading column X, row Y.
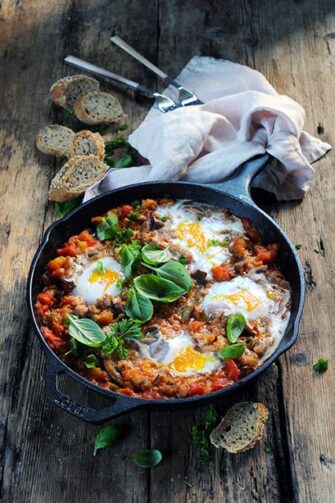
column 235, row 325
column 138, row 307
column 148, row 458
column 121, row 332
column 65, row 207
column 91, row 361
column 156, row 288
column 177, row 273
column 129, row 255
column 108, row 228
column 85, row 331
column 153, row 254
column 105, row 438
column 232, row 352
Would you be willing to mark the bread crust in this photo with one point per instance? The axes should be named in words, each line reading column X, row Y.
column 59, row 191
column 58, row 151
column 96, row 138
column 58, row 91
column 217, row 437
column 81, row 112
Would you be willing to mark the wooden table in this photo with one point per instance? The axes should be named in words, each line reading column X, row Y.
column 46, row 454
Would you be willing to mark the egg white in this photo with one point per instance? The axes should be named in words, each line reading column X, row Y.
column 91, row 285
column 195, row 234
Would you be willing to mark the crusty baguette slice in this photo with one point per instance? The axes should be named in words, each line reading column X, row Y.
column 55, row 140
column 66, row 91
column 98, row 108
column 77, row 175
column 242, row 426
column 88, row 143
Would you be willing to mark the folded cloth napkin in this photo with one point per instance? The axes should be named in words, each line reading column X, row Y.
column 242, row 116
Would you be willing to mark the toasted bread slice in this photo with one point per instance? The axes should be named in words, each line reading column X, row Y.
column 88, row 143
column 242, row 426
column 66, row 91
column 77, row 175
column 98, row 108
column 55, row 140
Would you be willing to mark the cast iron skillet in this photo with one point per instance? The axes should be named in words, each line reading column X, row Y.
column 232, row 194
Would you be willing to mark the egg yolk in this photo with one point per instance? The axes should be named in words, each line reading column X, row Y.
column 189, row 359
column 108, row 276
column 192, row 233
column 243, row 299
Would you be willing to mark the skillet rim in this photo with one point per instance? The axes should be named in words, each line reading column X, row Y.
column 137, row 402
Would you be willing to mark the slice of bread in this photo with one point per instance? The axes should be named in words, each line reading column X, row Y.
column 66, row 91
column 55, row 140
column 88, row 143
column 77, row 175
column 242, row 426
column 98, row 108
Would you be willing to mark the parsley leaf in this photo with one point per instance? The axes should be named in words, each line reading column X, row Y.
column 91, row 361
column 200, row 434
column 120, row 333
column 321, row 366
column 298, row 247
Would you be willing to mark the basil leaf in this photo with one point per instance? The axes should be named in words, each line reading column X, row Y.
column 321, row 365
column 129, row 255
column 153, row 254
column 108, row 228
column 125, row 161
column 177, row 273
column 232, row 352
column 138, row 307
column 105, row 438
column 64, row 208
column 235, row 326
column 91, row 361
column 156, row 288
column 85, row 331
column 148, row 458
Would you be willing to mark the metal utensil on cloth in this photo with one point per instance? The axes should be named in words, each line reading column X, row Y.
column 163, row 102
column 185, row 96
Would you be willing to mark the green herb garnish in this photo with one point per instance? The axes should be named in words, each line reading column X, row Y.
column 64, row 208
column 232, row 352
column 120, row 283
column 138, row 307
column 216, row 242
column 117, row 142
column 298, row 247
column 153, row 254
column 121, row 332
column 108, row 228
column 235, row 326
column 200, row 434
column 267, row 449
column 123, row 127
column 321, row 366
column 101, row 267
column 105, row 438
column 85, row 331
column 125, row 161
column 91, row 361
column 130, row 256
column 74, row 347
column 133, row 215
column 148, row 458
column 122, row 236
column 177, row 273
column 182, row 259
column 156, row 288
column 321, row 251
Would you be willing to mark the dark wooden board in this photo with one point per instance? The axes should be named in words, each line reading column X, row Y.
column 45, row 454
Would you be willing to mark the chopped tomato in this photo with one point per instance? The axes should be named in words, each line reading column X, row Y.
column 126, row 391
column 44, row 301
column 266, row 254
column 97, row 374
column 194, row 325
column 77, row 244
column 231, row 370
column 223, row 272
column 55, row 342
column 196, row 389
column 239, row 248
column 126, row 210
column 220, row 383
column 104, row 318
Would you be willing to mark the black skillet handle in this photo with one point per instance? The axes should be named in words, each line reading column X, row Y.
column 120, row 406
column 238, row 185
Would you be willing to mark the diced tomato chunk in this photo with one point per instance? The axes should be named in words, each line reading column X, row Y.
column 55, row 342
column 231, row 370
column 223, row 272
column 268, row 254
column 195, row 325
column 196, row 389
column 126, row 210
column 126, row 391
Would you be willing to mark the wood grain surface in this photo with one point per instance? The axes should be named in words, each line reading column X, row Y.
column 46, row 454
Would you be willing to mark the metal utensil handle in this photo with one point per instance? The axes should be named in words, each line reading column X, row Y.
column 120, row 406
column 101, row 72
column 136, row 55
